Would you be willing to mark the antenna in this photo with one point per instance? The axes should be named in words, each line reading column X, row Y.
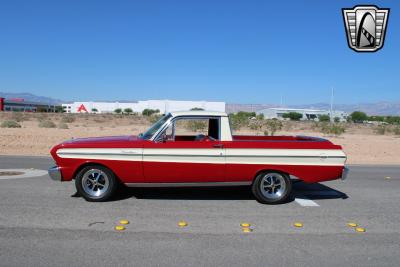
column 281, row 101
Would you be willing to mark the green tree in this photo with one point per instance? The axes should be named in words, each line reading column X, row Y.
column 377, row 118
column 324, row 117
column 60, row 109
column 358, row 116
column 293, row 116
column 128, row 111
column 94, row 110
column 118, row 111
column 149, row 112
column 336, row 119
column 392, row 119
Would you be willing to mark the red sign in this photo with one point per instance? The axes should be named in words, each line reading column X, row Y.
column 17, row 99
column 82, row 108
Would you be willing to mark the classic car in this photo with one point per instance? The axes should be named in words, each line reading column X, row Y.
column 196, row 148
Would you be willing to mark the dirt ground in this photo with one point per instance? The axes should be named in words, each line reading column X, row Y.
column 360, row 142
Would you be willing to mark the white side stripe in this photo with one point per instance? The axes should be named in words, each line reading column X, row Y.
column 320, row 157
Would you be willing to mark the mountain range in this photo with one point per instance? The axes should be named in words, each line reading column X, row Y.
column 377, row 108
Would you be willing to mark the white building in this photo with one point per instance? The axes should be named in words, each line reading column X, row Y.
column 163, row 105
column 308, row 114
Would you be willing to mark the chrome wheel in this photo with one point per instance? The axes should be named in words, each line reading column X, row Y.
column 273, row 185
column 95, row 182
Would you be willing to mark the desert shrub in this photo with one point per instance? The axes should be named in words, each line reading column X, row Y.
column 47, row 124
column 10, row 124
column 273, row 126
column 196, row 125
column 256, row 124
column 332, row 128
column 154, row 118
column 396, row 130
column 99, row 120
column 68, row 119
column 42, row 117
column 358, row 116
column 324, row 118
column 381, row 129
column 336, row 119
column 95, row 110
column 240, row 119
column 63, row 126
column 149, row 112
column 293, row 116
column 17, row 116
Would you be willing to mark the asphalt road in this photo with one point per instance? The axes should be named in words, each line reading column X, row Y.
column 44, row 223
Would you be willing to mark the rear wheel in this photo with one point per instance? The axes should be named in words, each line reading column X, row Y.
column 96, row 183
column 272, row 187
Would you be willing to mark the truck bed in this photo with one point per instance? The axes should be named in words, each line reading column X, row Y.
column 282, row 138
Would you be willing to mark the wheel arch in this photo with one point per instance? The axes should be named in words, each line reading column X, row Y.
column 93, row 163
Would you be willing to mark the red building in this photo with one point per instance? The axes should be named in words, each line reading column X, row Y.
column 19, row 104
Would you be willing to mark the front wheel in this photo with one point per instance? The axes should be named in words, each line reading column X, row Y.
column 96, row 183
column 272, row 187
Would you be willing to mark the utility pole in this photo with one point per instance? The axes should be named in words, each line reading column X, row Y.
column 281, row 101
column 331, row 111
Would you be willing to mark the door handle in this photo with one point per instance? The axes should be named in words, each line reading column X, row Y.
column 218, row 145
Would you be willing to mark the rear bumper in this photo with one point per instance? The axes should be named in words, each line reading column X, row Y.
column 345, row 173
column 55, row 173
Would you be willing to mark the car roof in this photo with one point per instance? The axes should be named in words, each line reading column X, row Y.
column 198, row 113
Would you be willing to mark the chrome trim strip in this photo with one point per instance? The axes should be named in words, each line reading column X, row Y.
column 188, row 155
column 100, row 154
column 240, row 156
column 55, row 173
column 187, row 184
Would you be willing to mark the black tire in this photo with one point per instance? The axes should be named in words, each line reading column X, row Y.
column 105, row 174
column 263, row 197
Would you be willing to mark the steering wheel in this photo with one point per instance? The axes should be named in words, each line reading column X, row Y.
column 204, row 138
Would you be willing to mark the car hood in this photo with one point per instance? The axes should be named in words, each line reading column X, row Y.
column 105, row 139
column 130, row 141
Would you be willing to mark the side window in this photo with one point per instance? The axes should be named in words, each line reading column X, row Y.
column 191, row 127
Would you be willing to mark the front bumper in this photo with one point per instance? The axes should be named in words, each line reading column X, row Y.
column 55, row 173
column 345, row 173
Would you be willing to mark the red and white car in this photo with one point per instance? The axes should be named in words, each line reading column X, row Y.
column 196, row 148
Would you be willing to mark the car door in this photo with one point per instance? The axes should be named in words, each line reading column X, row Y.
column 181, row 158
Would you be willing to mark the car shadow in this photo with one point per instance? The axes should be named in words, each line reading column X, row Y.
column 187, row 193
column 300, row 190
column 316, row 191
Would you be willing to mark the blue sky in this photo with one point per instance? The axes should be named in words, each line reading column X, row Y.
column 233, row 51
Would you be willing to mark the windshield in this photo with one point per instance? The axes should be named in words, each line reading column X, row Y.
column 154, row 128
